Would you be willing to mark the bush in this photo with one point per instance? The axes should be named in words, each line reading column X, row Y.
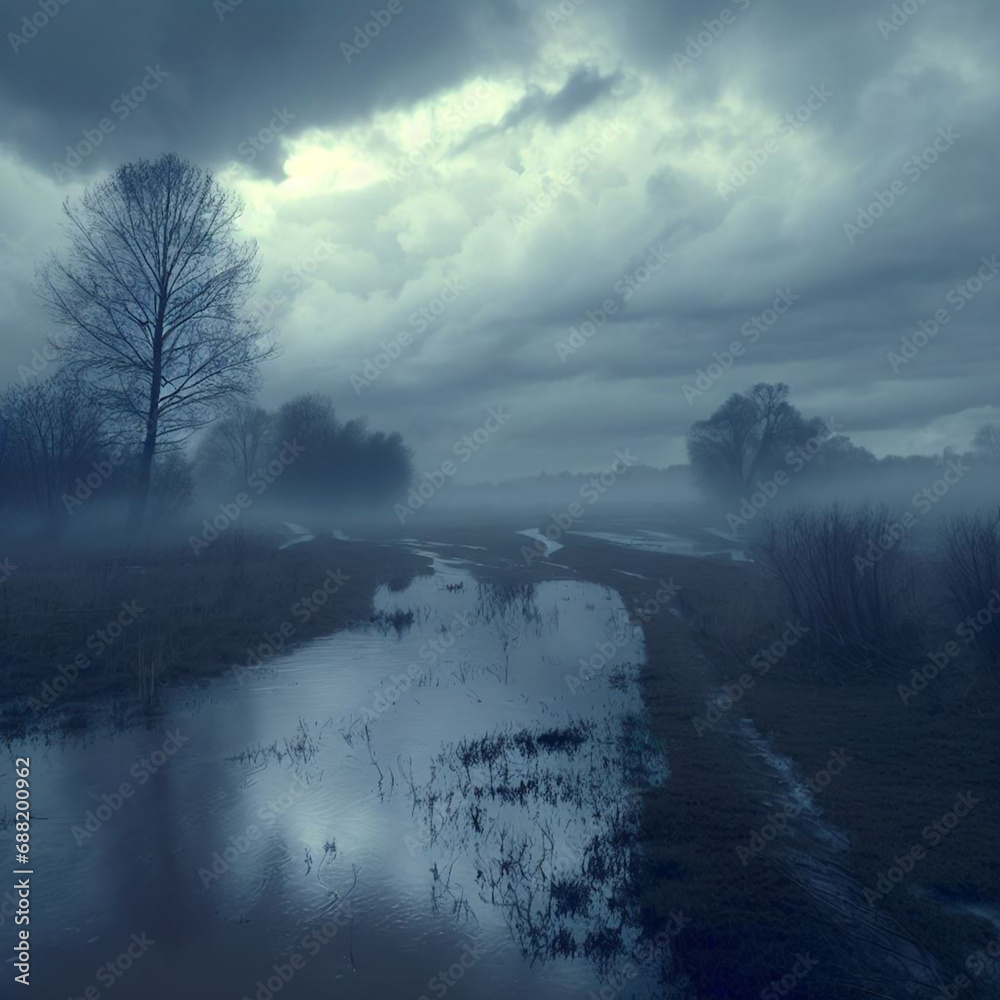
column 971, row 544
column 862, row 615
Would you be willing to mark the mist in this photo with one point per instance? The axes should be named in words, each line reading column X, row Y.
column 500, row 499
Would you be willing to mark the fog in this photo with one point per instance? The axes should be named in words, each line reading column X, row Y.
column 499, row 499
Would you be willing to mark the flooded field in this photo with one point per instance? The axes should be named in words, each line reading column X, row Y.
column 450, row 792
column 707, row 543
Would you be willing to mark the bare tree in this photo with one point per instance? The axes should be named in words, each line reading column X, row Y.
column 237, row 444
column 51, row 431
column 154, row 288
column 986, row 443
column 861, row 613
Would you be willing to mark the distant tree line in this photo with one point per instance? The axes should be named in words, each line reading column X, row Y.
column 62, row 452
column 757, row 436
column 302, row 455
column 60, row 448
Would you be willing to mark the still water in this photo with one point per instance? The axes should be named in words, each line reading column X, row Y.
column 440, row 802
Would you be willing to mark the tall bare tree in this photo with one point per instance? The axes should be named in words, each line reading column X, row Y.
column 154, row 288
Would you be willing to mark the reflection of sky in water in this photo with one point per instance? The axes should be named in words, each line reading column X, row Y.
column 315, row 776
column 712, row 543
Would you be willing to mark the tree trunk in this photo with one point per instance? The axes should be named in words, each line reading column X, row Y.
column 140, row 498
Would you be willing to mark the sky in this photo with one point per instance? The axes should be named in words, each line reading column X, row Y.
column 595, row 218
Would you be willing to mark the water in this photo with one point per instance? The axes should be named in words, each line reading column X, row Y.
column 441, row 800
column 711, row 544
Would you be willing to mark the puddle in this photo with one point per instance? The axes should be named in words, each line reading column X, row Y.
column 422, row 799
column 668, row 543
column 535, row 535
column 295, row 535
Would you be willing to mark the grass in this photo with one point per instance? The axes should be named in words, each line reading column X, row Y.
column 190, row 616
column 747, row 922
column 908, row 765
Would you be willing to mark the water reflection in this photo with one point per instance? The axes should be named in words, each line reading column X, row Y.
column 541, row 811
column 391, row 805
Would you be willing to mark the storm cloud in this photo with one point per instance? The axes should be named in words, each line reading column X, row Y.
column 571, row 210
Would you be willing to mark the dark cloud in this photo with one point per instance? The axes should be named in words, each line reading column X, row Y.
column 585, row 87
column 703, row 102
column 230, row 64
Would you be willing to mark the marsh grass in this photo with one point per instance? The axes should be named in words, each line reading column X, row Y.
column 200, row 614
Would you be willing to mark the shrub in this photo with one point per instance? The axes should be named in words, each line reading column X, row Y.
column 862, row 614
column 971, row 544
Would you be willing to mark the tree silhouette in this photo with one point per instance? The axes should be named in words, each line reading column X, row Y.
column 153, row 288
column 236, row 445
column 751, row 429
column 986, row 443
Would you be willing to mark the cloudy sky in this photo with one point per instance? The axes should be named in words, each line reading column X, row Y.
column 479, row 175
